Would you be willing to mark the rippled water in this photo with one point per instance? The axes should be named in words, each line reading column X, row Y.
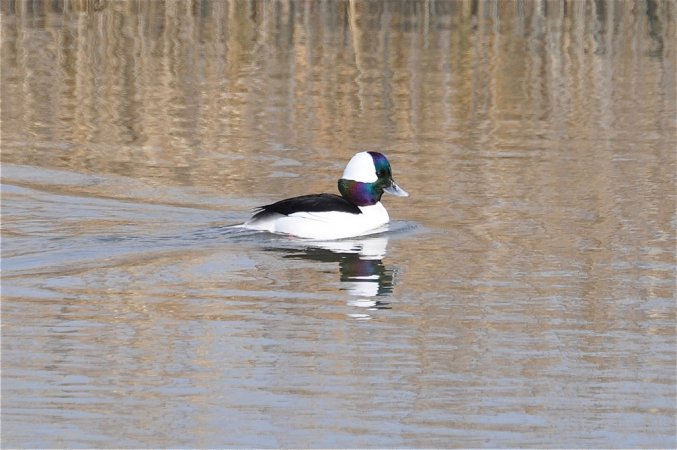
column 524, row 295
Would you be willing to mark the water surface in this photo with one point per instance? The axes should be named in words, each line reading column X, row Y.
column 524, row 295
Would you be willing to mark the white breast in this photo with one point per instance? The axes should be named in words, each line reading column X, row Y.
column 328, row 224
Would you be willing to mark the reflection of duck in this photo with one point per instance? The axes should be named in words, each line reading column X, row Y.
column 360, row 264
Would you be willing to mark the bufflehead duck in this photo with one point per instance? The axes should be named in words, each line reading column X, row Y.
column 358, row 211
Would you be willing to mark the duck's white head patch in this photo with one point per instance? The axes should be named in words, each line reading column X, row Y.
column 361, row 168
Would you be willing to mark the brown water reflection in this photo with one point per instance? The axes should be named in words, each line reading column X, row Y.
column 523, row 297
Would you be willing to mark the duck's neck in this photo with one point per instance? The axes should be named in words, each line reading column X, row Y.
column 360, row 194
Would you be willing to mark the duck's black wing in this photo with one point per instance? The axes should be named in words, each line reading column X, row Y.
column 307, row 203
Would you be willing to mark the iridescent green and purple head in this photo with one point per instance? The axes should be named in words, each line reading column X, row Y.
column 366, row 177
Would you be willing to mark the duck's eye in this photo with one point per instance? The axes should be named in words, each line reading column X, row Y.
column 381, row 173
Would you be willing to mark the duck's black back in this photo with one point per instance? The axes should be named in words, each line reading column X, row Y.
column 308, row 203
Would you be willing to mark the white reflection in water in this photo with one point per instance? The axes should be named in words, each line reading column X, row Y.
column 361, row 269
